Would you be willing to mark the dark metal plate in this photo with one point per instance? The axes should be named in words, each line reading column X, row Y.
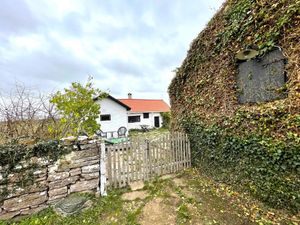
column 262, row 79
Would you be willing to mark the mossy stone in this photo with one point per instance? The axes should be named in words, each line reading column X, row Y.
column 71, row 205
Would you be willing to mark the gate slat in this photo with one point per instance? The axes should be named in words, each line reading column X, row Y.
column 160, row 155
column 177, row 152
column 145, row 161
column 131, row 144
column 113, row 151
column 163, row 155
column 122, row 169
column 137, row 166
column 169, row 153
column 189, row 153
column 148, row 160
column 166, row 154
column 142, row 159
column 155, row 159
column 109, row 166
column 185, row 150
column 134, row 151
column 131, row 159
column 173, row 152
column 140, row 167
column 182, row 150
column 127, row 161
column 118, row 165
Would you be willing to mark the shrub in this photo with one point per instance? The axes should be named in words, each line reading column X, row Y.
column 266, row 168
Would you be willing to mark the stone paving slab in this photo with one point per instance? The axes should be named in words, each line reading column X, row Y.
column 138, row 185
column 130, row 196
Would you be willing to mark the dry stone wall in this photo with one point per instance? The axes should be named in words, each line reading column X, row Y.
column 77, row 171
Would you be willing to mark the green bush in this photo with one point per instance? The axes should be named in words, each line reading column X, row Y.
column 266, row 168
column 166, row 116
column 78, row 109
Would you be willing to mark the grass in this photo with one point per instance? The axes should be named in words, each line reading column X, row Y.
column 150, row 134
column 200, row 201
column 158, row 187
column 183, row 213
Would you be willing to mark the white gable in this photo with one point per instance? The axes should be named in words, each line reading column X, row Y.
column 117, row 112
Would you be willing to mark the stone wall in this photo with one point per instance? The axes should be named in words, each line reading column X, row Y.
column 49, row 182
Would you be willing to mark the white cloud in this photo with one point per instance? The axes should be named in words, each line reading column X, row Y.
column 128, row 46
column 29, row 43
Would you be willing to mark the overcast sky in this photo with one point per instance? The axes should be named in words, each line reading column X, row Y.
column 126, row 45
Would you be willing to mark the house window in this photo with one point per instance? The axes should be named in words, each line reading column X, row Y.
column 146, row 115
column 106, row 117
column 134, row 119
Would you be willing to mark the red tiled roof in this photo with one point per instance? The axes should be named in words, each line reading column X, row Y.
column 146, row 105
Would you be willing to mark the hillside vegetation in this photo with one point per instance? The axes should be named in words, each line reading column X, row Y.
column 254, row 147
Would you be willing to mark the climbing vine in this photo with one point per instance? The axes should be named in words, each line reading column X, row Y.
column 254, row 147
column 21, row 160
column 255, row 23
column 267, row 168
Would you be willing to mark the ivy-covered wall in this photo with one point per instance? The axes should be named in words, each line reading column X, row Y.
column 255, row 147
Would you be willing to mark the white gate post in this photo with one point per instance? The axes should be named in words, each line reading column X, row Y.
column 102, row 169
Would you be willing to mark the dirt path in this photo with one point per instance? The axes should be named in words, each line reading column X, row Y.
column 186, row 199
column 158, row 212
column 184, row 206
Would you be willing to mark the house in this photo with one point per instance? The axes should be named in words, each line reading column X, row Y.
column 130, row 113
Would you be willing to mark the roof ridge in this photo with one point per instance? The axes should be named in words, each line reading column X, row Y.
column 146, row 105
column 140, row 99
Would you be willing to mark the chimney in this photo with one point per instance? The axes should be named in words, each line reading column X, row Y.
column 129, row 96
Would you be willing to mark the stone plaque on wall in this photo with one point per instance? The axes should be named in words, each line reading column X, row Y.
column 262, row 79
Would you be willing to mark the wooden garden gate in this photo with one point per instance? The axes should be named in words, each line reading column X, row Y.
column 144, row 158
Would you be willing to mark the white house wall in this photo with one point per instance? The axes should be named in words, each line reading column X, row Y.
column 118, row 115
column 149, row 122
